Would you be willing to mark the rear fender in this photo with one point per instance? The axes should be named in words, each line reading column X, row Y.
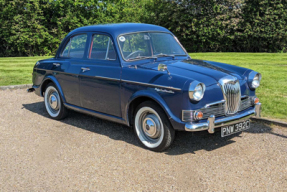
column 55, row 81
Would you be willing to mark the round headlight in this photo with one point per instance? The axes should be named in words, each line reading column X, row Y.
column 196, row 90
column 254, row 80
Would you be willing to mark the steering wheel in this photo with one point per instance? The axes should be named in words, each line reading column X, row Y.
column 135, row 52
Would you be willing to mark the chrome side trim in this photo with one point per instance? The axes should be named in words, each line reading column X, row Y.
column 151, row 85
column 107, row 78
column 210, row 124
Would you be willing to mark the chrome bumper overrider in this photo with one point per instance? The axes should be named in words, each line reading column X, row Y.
column 212, row 123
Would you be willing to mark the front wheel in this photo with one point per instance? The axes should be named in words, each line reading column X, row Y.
column 152, row 127
column 53, row 103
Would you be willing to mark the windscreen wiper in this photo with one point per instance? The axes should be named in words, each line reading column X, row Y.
column 142, row 57
column 164, row 55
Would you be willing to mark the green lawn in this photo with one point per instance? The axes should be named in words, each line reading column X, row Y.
column 17, row 70
column 273, row 67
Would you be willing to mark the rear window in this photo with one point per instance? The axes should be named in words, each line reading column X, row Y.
column 102, row 48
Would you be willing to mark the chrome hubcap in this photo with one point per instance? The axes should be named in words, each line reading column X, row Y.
column 151, row 126
column 53, row 101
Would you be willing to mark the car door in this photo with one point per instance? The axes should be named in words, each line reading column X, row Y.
column 100, row 77
column 68, row 67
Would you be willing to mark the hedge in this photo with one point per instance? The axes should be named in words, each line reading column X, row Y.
column 36, row 27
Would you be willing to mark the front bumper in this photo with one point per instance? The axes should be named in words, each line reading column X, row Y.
column 212, row 123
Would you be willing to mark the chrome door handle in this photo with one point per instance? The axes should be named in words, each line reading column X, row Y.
column 84, row 69
column 56, row 64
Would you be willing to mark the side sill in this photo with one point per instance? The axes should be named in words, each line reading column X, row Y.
column 96, row 114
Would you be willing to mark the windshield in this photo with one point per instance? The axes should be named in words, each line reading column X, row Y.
column 149, row 45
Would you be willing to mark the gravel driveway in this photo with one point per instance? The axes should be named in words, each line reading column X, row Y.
column 85, row 153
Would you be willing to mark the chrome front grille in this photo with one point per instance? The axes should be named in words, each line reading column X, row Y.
column 246, row 103
column 232, row 94
column 218, row 110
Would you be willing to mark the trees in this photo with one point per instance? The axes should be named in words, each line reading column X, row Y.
column 36, row 27
column 224, row 25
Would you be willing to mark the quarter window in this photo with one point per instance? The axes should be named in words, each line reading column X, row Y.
column 75, row 48
column 102, row 48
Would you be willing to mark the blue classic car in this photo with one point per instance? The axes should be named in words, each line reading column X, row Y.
column 141, row 76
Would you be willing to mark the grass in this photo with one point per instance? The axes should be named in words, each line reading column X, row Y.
column 273, row 67
column 17, row 70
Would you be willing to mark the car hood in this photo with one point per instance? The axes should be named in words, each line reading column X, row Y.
column 199, row 70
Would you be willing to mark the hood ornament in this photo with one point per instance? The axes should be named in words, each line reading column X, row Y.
column 163, row 67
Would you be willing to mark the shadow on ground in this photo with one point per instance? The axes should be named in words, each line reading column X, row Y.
column 185, row 142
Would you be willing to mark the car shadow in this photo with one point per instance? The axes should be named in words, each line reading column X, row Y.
column 185, row 142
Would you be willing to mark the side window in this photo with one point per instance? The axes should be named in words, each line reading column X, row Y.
column 75, row 48
column 102, row 48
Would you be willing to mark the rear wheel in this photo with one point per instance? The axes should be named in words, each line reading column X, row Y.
column 152, row 127
column 53, row 103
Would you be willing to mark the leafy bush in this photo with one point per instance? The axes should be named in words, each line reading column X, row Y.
column 36, row 27
column 224, row 25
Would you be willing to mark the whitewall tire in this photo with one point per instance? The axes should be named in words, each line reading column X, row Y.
column 53, row 103
column 152, row 127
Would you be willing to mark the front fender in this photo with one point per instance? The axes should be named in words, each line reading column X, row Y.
column 48, row 79
column 153, row 95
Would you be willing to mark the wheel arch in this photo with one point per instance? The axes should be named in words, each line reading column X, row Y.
column 143, row 96
column 51, row 79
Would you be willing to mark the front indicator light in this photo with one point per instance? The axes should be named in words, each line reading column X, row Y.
column 198, row 115
column 256, row 100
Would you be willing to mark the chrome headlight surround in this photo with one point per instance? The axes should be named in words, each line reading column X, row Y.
column 196, row 91
column 254, row 79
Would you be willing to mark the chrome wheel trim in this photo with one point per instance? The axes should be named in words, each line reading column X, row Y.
column 149, row 127
column 52, row 101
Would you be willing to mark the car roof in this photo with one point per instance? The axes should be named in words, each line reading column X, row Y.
column 120, row 28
